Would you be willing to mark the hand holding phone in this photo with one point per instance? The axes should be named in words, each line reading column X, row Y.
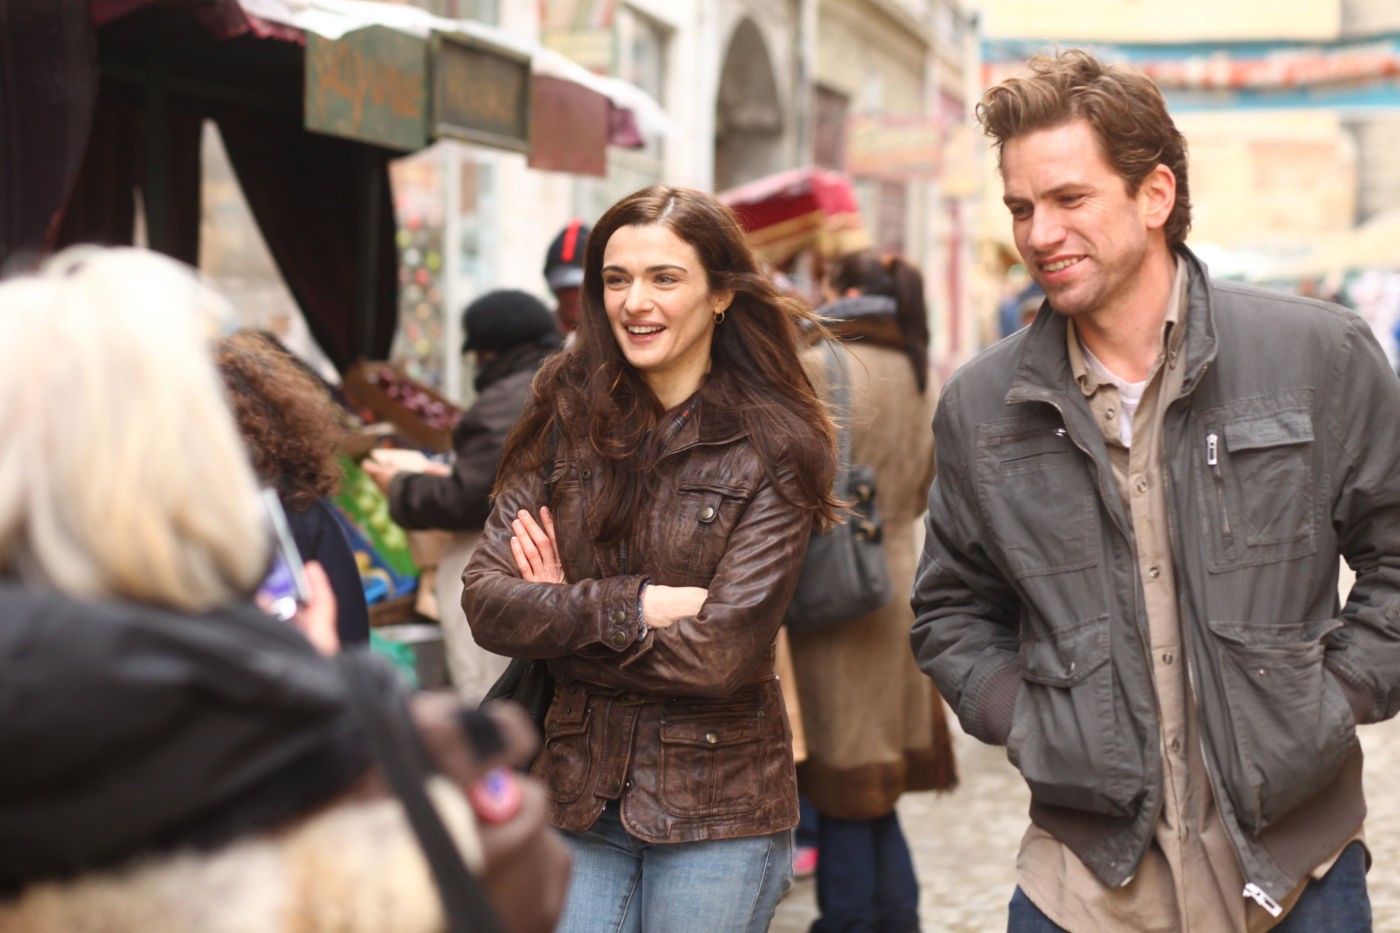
column 296, row 592
column 285, row 590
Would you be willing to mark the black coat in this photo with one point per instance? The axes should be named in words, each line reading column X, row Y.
column 461, row 501
column 127, row 729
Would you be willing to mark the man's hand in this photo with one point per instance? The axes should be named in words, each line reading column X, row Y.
column 381, row 473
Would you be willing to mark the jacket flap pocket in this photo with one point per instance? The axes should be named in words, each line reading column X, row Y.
column 568, row 715
column 728, row 490
column 1069, row 658
column 710, row 733
column 1273, row 634
column 1275, row 429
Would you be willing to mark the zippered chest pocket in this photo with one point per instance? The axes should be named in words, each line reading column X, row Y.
column 1036, row 490
column 1258, row 498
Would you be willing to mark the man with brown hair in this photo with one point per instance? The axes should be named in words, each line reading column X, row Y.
column 1130, row 571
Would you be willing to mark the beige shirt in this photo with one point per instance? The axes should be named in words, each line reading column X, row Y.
column 1189, row 879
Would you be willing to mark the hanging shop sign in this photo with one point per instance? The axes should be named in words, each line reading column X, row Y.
column 369, row 85
column 391, row 88
column 481, row 93
column 569, row 131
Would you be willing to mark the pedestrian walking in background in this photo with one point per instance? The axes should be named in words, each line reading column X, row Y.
column 510, row 333
column 874, row 725
column 1131, row 563
column 292, row 430
column 651, row 519
column 563, row 272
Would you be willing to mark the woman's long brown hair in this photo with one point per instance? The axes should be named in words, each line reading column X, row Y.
column 754, row 370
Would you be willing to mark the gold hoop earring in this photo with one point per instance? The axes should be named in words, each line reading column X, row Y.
column 719, row 318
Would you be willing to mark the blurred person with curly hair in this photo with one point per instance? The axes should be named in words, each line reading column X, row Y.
column 291, row 428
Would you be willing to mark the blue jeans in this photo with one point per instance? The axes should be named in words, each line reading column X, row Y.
column 621, row 884
column 865, row 877
column 1335, row 903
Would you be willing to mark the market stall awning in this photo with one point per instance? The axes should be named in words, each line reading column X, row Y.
column 102, row 100
column 804, row 208
column 455, row 78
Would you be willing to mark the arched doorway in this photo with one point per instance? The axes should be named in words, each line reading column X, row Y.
column 748, row 114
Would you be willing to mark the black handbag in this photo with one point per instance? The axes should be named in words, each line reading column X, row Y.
column 528, row 682
column 844, row 576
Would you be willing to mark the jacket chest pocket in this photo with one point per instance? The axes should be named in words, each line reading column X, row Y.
column 711, row 765
column 1037, row 493
column 693, row 531
column 1258, row 504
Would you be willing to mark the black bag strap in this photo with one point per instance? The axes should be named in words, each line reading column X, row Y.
column 395, row 745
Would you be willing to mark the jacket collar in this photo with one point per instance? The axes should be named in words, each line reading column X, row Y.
column 1043, row 371
column 710, row 423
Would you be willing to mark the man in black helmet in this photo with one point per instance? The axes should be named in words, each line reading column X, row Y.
column 563, row 270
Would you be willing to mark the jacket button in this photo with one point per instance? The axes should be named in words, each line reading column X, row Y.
column 587, row 473
column 711, row 738
column 619, row 638
column 1168, row 657
column 707, row 514
column 618, row 616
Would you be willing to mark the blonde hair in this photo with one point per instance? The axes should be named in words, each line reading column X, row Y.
column 121, row 471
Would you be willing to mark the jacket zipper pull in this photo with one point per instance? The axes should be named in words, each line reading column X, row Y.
column 1257, row 895
column 1212, row 449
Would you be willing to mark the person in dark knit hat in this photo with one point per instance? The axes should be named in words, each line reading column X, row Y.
column 501, row 321
column 563, row 270
column 510, row 332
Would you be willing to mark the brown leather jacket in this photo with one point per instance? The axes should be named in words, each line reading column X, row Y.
column 685, row 726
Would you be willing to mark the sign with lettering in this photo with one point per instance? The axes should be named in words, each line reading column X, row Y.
column 892, row 147
column 481, row 93
column 369, row 85
column 1344, row 74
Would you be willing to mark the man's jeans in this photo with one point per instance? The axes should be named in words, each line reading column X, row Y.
column 1335, row 903
column 623, row 885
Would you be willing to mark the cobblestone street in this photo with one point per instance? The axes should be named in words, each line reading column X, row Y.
column 965, row 842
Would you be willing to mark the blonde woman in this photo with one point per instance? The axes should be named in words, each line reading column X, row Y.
column 180, row 760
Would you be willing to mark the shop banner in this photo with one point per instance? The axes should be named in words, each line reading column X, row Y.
column 893, row 148
column 1360, row 73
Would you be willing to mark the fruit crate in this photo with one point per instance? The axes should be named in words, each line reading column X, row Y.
column 368, row 510
column 419, row 412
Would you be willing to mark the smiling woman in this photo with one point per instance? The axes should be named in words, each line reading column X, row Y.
column 661, row 308
column 652, row 514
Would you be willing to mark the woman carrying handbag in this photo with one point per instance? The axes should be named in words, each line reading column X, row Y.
column 875, row 726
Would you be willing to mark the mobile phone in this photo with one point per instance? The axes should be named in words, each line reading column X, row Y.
column 285, row 590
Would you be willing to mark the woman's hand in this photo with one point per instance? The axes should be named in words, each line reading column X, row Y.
column 317, row 618
column 663, row 606
column 535, row 548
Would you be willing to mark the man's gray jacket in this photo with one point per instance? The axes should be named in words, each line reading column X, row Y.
column 1282, row 452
